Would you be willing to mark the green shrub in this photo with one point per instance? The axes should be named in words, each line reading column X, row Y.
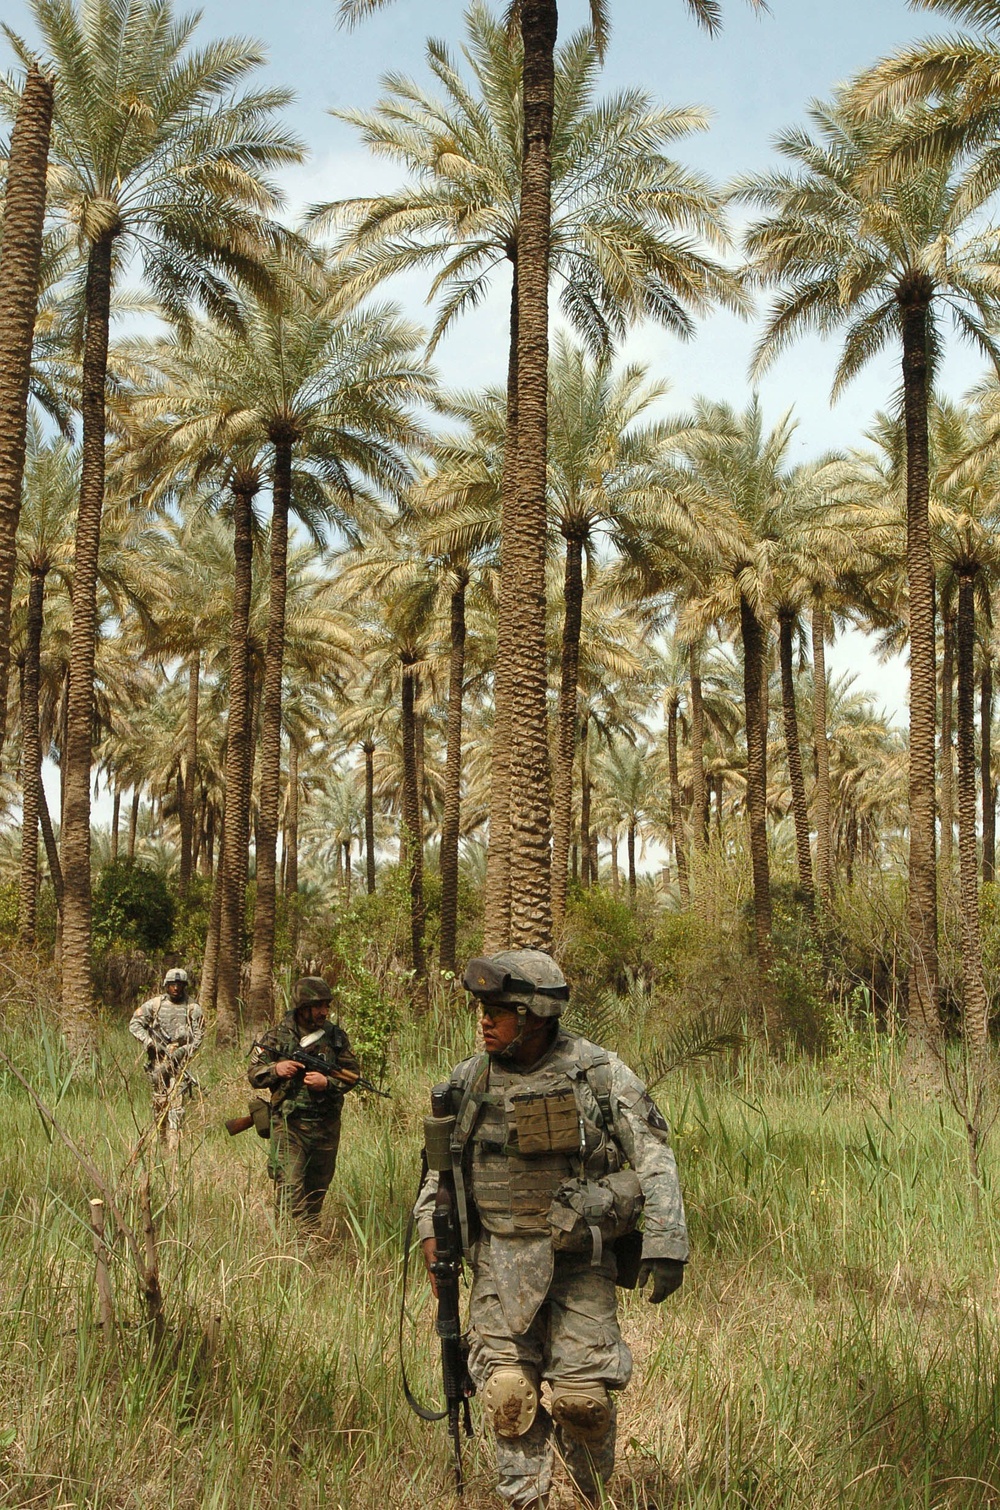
column 132, row 908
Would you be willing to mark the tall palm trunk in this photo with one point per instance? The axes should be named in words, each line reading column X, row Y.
column 369, row 750
column 676, row 813
column 20, row 264
column 753, row 672
column 699, row 801
column 451, row 819
column 585, row 796
column 348, row 873
column 262, row 962
column 414, row 846
column 291, row 845
column 793, row 752
column 31, row 760
column 530, row 808
column 210, row 962
column 986, row 771
column 924, row 1017
column 190, row 772
column 824, row 853
column 116, row 814
column 562, row 807
column 77, row 985
column 615, row 877
column 630, row 851
column 51, row 852
column 229, row 880
column 133, row 820
column 947, row 761
column 974, row 988
column 496, row 900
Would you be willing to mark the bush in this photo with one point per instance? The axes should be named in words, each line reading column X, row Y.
column 132, row 908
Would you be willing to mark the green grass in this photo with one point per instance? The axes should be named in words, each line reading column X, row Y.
column 835, row 1343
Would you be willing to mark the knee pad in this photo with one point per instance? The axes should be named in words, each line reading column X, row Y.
column 581, row 1409
column 511, row 1399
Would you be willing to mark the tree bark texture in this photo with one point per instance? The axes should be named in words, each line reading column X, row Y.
column 116, row 815
column 79, row 1023
column 566, row 736
column 585, row 796
column 20, row 268
column 291, row 847
column 986, row 772
column 821, row 802
column 947, row 761
column 451, row 818
column 190, row 772
column 974, row 988
column 630, row 850
column 261, row 1002
column 133, row 821
column 753, row 669
column 924, row 1017
column 699, row 801
column 676, row 811
column 496, row 901
column 31, row 761
column 800, row 809
column 51, row 850
column 530, row 888
column 414, row 845
column 230, row 872
column 369, row 752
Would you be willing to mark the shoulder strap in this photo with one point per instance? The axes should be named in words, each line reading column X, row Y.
column 598, row 1077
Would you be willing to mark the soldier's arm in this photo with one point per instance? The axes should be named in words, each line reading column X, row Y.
column 641, row 1130
column 139, row 1025
column 261, row 1072
column 423, row 1207
column 197, row 1028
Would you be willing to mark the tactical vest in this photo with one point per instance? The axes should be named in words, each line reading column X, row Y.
column 532, row 1131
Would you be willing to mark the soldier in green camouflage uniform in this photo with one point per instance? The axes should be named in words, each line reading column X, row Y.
column 556, row 1148
column 305, row 1104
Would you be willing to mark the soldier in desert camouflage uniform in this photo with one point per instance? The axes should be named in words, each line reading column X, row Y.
column 557, row 1147
column 170, row 1028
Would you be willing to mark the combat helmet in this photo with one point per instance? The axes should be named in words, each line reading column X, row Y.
column 518, row 978
column 175, row 976
column 311, row 989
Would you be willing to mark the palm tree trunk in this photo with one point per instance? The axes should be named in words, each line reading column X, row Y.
column 291, row 845
column 676, row 815
column 719, row 786
column 116, row 814
column 133, row 819
column 824, row 855
column 793, row 752
column 451, row 818
column 51, row 849
column 615, row 877
column 210, row 963
column 630, row 850
column 418, row 747
column 190, row 772
column 530, row 808
column 924, row 1017
column 974, row 988
column 20, row 263
column 946, row 759
column 562, row 807
column 414, row 846
column 496, row 900
column 79, row 1023
column 585, row 797
column 753, row 669
column 348, row 873
column 699, row 802
column 986, row 771
column 31, row 762
column 230, row 872
column 261, row 1003
column 369, row 750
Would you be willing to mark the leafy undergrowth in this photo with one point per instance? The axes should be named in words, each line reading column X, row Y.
column 836, row 1341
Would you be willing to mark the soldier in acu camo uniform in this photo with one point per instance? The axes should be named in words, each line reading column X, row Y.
column 305, row 1104
column 170, row 1028
column 557, row 1147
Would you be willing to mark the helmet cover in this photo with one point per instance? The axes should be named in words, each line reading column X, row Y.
column 518, row 978
column 175, row 976
column 310, row 990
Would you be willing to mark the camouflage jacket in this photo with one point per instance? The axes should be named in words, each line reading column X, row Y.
column 611, row 1100
column 293, row 1098
column 163, row 1027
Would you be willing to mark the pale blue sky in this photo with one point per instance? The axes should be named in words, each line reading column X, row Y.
column 757, row 77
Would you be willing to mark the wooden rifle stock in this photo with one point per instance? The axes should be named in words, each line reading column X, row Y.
column 236, row 1125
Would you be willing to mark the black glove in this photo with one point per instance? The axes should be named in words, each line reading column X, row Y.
column 667, row 1275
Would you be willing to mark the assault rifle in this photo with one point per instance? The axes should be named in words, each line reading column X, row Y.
column 347, row 1080
column 445, row 1270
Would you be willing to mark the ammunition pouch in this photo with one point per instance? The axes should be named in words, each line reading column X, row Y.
column 588, row 1214
column 260, row 1115
column 546, row 1121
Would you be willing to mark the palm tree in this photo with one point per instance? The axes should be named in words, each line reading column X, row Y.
column 844, row 251
column 156, row 154
column 600, row 206
column 20, row 276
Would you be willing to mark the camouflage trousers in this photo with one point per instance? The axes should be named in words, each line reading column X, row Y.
column 171, row 1088
column 574, row 1336
column 303, row 1159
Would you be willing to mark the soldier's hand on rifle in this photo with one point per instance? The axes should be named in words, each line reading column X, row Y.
column 430, row 1248
column 316, row 1081
column 286, row 1068
column 667, row 1275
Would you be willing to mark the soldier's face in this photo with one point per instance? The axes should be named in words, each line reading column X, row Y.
column 500, row 1027
column 175, row 990
column 313, row 1015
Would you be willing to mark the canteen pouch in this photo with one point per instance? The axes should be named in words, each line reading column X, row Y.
column 546, row 1121
column 591, row 1213
column 260, row 1113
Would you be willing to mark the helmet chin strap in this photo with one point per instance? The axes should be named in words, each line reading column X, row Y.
column 522, row 1023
